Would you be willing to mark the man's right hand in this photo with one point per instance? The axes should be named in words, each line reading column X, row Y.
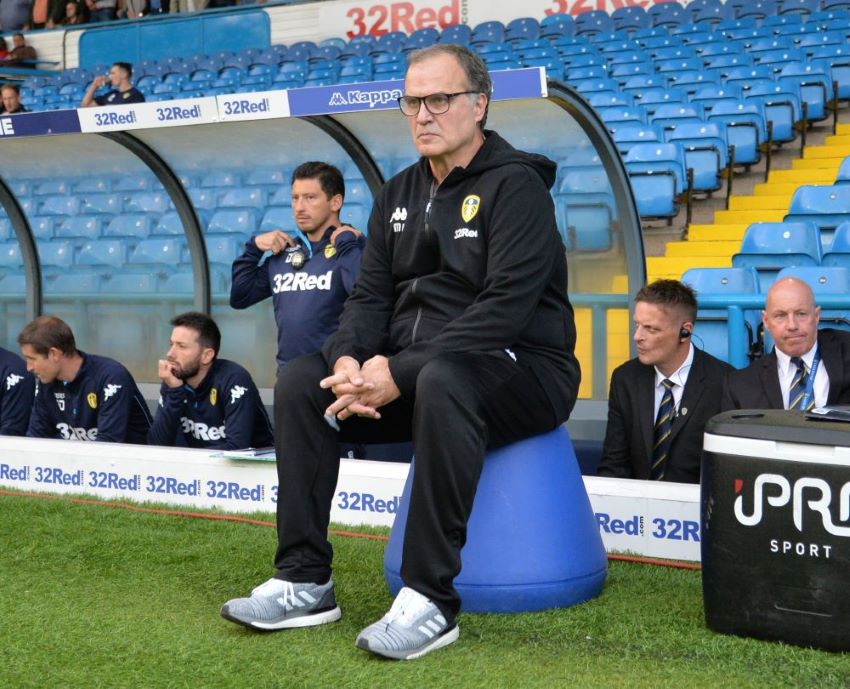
column 348, row 384
column 166, row 374
column 274, row 241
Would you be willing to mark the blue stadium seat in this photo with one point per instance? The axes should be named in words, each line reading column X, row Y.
column 156, row 252
column 52, row 187
column 630, row 18
column 421, row 38
column 204, row 198
column 110, row 253
column 80, row 226
column 56, row 254
column 43, row 227
column 627, row 136
column 523, row 28
column 392, row 42
column 277, row 218
column 711, row 94
column 712, row 328
column 768, row 247
column 668, row 117
column 814, row 83
column 705, row 153
column 137, row 225
column 94, row 185
column 590, row 209
column 356, row 215
column 797, row 7
column 459, row 34
column 147, row 202
column 131, row 283
column 220, row 178
column 557, row 25
column 234, row 220
column 245, row 197
column 826, row 206
column 782, row 107
column 837, row 59
column 10, row 258
column 78, row 282
column 59, row 205
column 658, row 178
column 746, row 128
column 651, row 99
column 110, row 203
column 843, row 176
column 838, row 253
column 593, row 23
column 223, row 249
column 302, row 50
column 487, row 32
column 668, row 14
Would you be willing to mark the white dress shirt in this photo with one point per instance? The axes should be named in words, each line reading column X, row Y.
column 786, row 371
column 679, row 377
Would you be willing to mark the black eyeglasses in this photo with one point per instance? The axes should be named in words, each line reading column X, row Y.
column 435, row 103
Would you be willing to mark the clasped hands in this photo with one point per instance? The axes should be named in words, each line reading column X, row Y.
column 360, row 390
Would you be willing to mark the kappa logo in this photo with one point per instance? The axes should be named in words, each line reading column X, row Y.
column 466, row 233
column 469, row 207
column 110, row 390
column 12, row 380
column 397, row 219
column 236, row 392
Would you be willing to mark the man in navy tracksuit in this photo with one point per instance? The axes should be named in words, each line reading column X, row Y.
column 459, row 335
column 310, row 280
column 206, row 401
column 79, row 396
column 17, row 389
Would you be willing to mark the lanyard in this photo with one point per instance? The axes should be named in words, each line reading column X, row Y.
column 810, row 381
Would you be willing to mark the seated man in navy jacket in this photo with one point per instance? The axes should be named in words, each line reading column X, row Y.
column 660, row 401
column 79, row 396
column 17, row 389
column 205, row 401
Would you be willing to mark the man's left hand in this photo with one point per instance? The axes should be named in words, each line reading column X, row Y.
column 344, row 228
column 379, row 389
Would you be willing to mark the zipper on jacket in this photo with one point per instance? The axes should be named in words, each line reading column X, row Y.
column 432, row 193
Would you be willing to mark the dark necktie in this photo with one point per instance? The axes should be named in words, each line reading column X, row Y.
column 663, row 424
column 798, row 386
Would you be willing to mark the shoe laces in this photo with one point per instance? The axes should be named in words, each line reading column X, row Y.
column 277, row 588
column 407, row 606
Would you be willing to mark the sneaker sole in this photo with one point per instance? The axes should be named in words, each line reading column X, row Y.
column 312, row 620
column 444, row 640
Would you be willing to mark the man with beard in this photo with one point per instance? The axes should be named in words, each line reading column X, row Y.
column 206, row 401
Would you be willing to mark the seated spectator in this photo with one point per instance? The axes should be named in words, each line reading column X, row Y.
column 122, row 91
column 101, row 10
column 17, row 389
column 79, row 396
column 22, row 54
column 74, row 14
column 205, row 401
column 132, row 9
column 14, row 14
column 46, row 14
column 10, row 94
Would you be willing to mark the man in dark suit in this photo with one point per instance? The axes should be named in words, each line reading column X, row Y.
column 807, row 367
column 659, row 402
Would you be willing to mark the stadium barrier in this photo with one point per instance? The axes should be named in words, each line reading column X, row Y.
column 639, row 517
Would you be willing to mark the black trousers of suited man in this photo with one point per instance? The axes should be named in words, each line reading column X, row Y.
column 464, row 404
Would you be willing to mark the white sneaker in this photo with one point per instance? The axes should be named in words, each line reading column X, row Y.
column 279, row 604
column 413, row 627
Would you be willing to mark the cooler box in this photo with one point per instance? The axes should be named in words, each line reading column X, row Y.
column 775, row 497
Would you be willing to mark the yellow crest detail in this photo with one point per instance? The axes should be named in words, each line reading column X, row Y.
column 213, row 396
column 330, row 251
column 91, row 398
column 469, row 208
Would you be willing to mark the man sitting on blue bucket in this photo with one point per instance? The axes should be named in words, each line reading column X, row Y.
column 458, row 335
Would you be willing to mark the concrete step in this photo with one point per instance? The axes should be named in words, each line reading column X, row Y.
column 760, row 202
column 719, row 233
column 673, row 267
column 840, row 151
column 747, row 217
column 815, row 176
column 776, row 188
column 815, row 163
column 702, row 249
